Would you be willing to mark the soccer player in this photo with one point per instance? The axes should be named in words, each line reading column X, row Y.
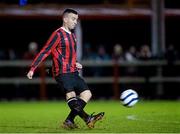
column 62, row 46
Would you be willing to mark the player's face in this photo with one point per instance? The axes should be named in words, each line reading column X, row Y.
column 71, row 20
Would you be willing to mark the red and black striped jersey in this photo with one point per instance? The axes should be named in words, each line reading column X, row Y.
column 62, row 46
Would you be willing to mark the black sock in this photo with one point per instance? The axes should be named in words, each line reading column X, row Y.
column 77, row 106
column 83, row 114
column 71, row 116
column 72, row 113
column 82, row 102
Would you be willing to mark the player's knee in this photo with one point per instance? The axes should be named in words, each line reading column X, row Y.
column 86, row 95
column 70, row 95
column 89, row 94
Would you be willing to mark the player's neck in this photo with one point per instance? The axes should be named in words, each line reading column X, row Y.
column 66, row 29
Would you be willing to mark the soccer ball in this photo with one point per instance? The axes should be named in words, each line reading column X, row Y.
column 129, row 98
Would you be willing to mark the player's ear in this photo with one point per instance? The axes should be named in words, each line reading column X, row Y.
column 65, row 18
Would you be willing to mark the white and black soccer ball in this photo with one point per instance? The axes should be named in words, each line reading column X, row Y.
column 129, row 98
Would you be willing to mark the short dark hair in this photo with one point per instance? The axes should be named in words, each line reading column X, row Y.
column 69, row 10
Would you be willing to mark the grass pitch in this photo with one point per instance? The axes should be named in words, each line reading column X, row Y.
column 46, row 117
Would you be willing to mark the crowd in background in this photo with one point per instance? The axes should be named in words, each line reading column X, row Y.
column 12, row 54
column 131, row 54
column 98, row 54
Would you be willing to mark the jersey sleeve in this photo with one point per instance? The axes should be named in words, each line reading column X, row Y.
column 46, row 50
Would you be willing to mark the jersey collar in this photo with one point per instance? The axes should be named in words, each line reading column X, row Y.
column 65, row 30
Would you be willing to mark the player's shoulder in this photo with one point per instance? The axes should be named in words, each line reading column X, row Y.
column 58, row 30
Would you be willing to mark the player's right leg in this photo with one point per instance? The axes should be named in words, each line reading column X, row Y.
column 92, row 119
column 85, row 96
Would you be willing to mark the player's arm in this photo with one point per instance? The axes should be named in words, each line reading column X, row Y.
column 45, row 51
column 78, row 65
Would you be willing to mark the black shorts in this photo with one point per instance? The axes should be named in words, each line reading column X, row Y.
column 71, row 82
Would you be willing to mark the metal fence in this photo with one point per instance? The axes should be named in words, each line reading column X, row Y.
column 115, row 77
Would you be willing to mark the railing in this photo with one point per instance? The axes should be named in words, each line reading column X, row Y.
column 114, row 79
column 89, row 63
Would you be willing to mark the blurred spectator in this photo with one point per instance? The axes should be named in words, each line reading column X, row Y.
column 11, row 54
column 32, row 51
column 118, row 53
column 145, row 53
column 2, row 55
column 88, row 54
column 131, row 54
column 101, row 56
column 171, row 54
column 30, row 54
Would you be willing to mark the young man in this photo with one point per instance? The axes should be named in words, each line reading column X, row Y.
column 62, row 46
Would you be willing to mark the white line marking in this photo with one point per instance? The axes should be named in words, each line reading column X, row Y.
column 135, row 118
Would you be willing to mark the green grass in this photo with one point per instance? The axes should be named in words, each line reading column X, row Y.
column 145, row 117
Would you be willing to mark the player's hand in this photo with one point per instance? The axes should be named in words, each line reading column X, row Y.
column 30, row 74
column 79, row 66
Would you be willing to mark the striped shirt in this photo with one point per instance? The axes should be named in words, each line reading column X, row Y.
column 62, row 46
